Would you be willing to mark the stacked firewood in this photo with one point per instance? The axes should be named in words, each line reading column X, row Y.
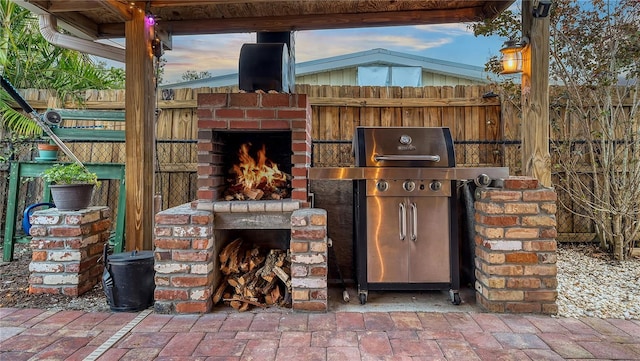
column 251, row 277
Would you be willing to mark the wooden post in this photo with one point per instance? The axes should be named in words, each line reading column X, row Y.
column 139, row 132
column 536, row 161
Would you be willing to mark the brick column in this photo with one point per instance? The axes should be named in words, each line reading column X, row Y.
column 309, row 260
column 516, row 247
column 66, row 247
column 183, row 260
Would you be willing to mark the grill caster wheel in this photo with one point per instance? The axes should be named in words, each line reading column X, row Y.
column 363, row 298
column 455, row 297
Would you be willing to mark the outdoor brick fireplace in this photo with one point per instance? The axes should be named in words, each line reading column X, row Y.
column 279, row 117
column 189, row 238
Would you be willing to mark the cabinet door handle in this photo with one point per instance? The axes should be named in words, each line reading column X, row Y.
column 414, row 222
column 402, row 214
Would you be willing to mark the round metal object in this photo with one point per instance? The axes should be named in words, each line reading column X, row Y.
column 482, row 180
column 409, row 186
column 435, row 185
column 382, row 185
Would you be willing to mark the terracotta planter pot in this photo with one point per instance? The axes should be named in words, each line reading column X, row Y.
column 45, row 146
column 71, row 197
column 47, row 152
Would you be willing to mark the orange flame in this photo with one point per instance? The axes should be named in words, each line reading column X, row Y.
column 260, row 173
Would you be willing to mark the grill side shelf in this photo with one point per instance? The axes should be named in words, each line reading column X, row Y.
column 360, row 173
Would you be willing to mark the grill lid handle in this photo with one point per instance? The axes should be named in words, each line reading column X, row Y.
column 432, row 158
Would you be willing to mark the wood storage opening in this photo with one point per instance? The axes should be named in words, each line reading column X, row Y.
column 253, row 274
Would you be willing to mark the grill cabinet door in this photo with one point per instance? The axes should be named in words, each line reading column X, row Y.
column 429, row 242
column 387, row 253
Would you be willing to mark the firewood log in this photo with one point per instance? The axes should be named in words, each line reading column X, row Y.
column 275, row 295
column 233, row 282
column 229, row 249
column 282, row 275
column 217, row 296
column 254, row 194
column 244, row 307
column 255, row 261
column 235, row 304
column 251, row 302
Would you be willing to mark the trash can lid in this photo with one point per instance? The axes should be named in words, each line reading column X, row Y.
column 131, row 256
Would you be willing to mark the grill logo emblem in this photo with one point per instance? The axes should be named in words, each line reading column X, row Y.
column 406, row 140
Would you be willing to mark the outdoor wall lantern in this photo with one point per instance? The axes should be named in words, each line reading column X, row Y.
column 511, row 59
column 542, row 9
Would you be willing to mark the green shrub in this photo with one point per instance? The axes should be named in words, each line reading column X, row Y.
column 69, row 174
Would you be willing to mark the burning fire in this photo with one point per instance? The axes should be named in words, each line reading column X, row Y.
column 256, row 177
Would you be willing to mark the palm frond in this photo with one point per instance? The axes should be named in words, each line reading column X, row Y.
column 16, row 121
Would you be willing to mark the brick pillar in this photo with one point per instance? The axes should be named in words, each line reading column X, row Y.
column 183, row 260
column 516, row 247
column 66, row 247
column 309, row 260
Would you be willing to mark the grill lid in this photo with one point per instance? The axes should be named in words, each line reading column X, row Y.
column 404, row 147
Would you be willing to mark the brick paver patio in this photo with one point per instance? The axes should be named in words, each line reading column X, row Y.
column 74, row 335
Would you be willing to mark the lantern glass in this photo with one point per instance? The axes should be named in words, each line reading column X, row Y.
column 511, row 59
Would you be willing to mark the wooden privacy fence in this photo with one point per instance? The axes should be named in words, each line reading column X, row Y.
column 472, row 112
column 479, row 123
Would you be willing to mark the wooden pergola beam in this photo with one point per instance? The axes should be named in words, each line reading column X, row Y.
column 139, row 134
column 308, row 22
column 536, row 160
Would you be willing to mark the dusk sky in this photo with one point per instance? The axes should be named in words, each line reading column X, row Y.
column 219, row 54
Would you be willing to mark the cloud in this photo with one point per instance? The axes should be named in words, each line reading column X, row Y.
column 217, row 54
column 455, row 29
column 310, row 45
column 413, row 43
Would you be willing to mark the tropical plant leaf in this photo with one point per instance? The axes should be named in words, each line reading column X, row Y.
column 27, row 60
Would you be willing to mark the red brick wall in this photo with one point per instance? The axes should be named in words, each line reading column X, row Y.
column 516, row 247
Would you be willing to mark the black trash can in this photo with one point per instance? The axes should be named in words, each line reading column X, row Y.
column 128, row 280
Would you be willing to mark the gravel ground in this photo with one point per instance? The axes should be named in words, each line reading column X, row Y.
column 14, row 288
column 589, row 284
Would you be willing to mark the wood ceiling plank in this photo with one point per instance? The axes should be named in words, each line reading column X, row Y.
column 79, row 22
column 123, row 10
column 67, row 6
column 181, row 3
column 491, row 9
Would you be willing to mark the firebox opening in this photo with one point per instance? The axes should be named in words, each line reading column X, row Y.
column 257, row 165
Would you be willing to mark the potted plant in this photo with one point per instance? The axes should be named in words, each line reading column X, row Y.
column 71, row 185
column 47, row 151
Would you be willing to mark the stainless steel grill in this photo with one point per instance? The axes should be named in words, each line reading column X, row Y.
column 405, row 208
